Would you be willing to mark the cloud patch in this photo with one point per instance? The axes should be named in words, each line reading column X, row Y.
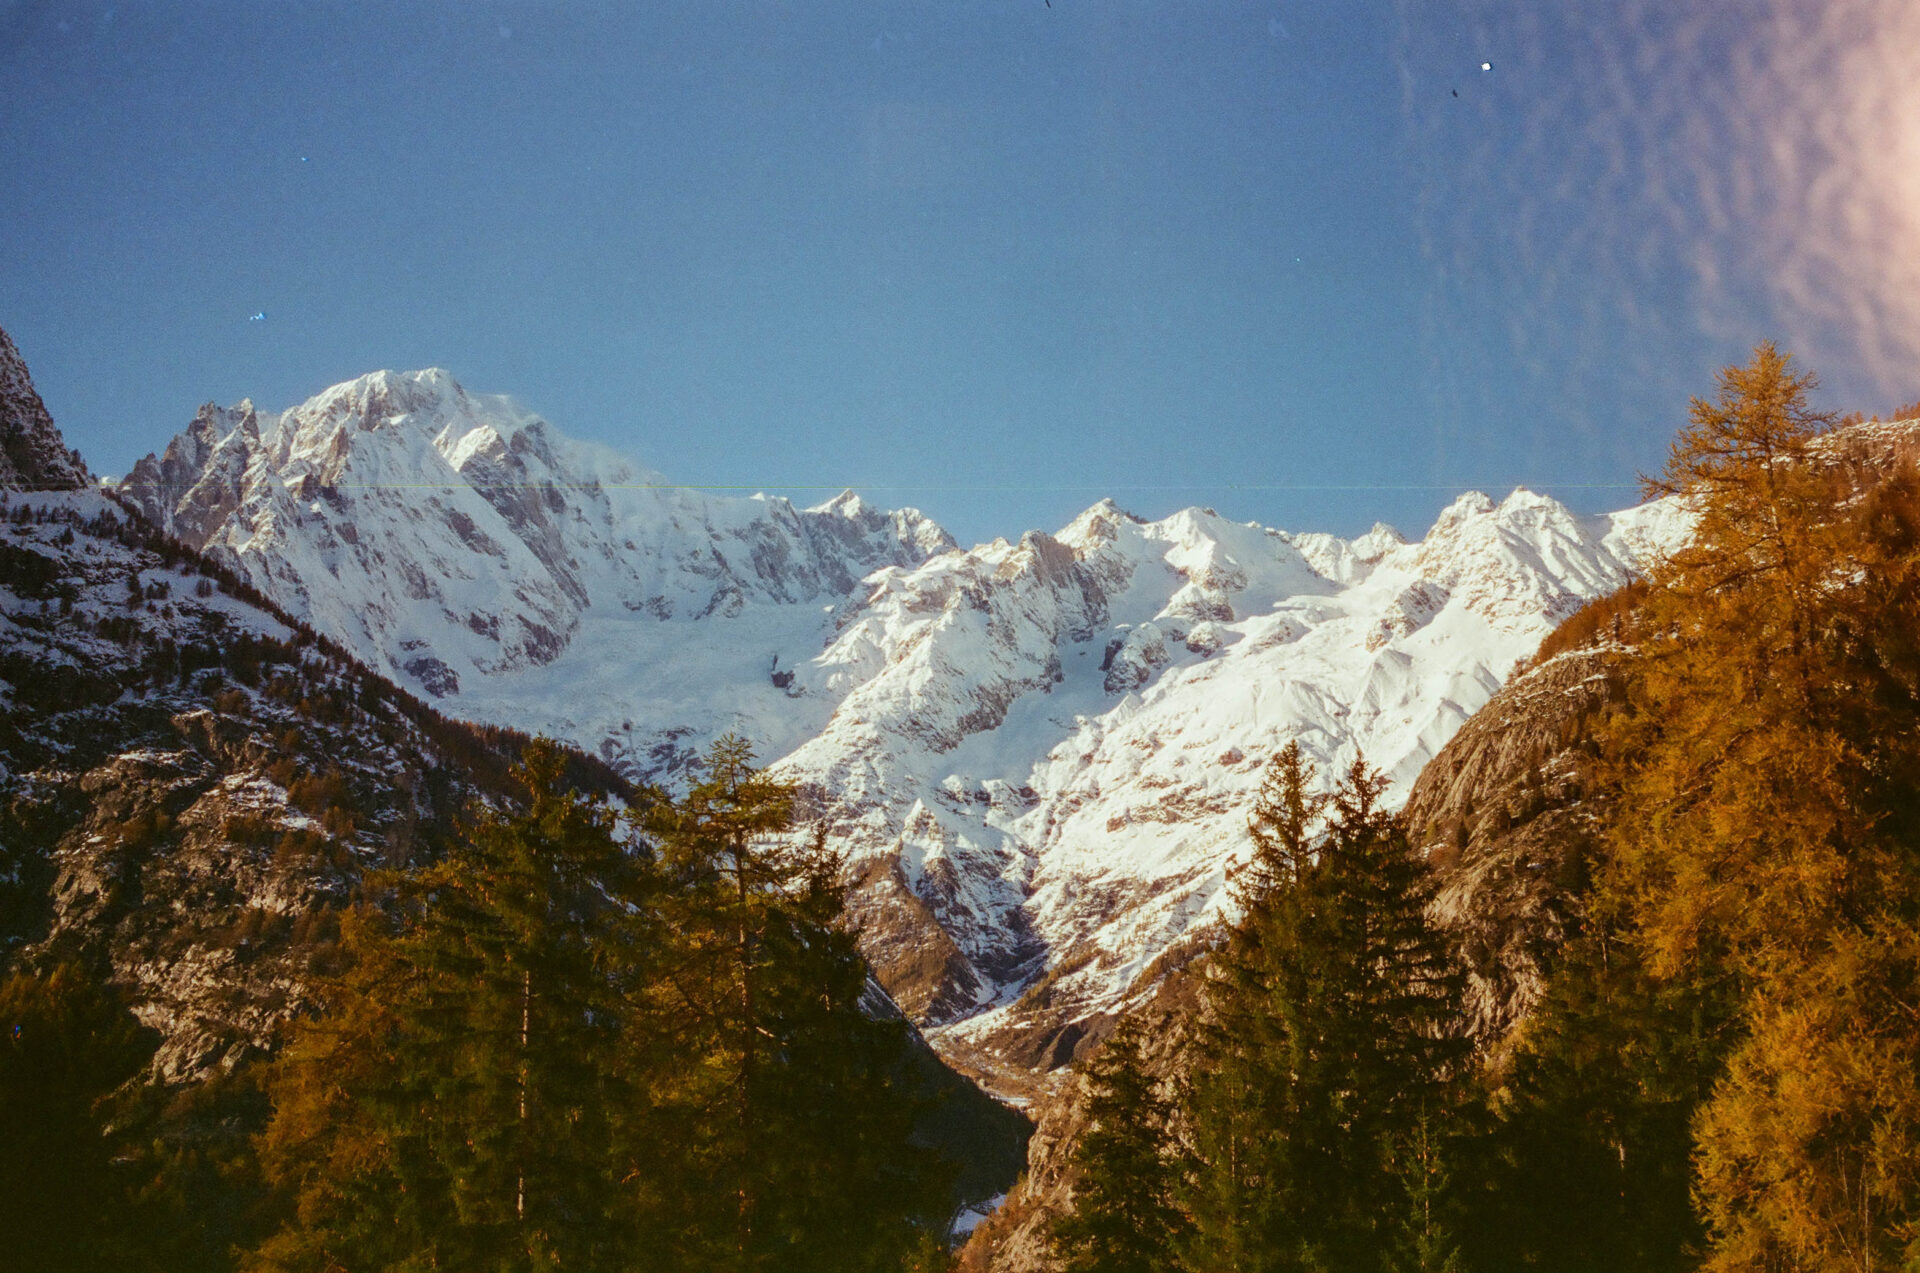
column 1640, row 192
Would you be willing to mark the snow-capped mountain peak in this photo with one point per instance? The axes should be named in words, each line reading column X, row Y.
column 454, row 538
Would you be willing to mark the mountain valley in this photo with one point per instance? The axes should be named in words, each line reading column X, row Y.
column 1036, row 754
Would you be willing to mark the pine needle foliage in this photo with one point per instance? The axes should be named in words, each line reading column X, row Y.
column 473, row 1092
column 806, row 1148
column 1330, row 1045
column 1586, row 1165
column 1124, row 1219
column 565, row 1047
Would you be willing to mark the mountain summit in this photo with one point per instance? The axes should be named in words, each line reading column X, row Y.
column 465, row 546
column 33, row 456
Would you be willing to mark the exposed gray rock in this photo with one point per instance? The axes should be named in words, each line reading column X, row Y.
column 33, row 456
column 1506, row 813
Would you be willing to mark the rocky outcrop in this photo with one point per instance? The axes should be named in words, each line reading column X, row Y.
column 1506, row 813
column 33, row 456
column 191, row 786
column 200, row 481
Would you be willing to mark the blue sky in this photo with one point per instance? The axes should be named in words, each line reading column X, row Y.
column 1309, row 264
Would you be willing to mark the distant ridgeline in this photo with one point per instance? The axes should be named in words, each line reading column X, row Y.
column 1670, row 868
column 556, row 1017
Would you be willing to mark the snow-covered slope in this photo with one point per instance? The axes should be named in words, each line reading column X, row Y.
column 1052, row 746
column 1039, row 754
column 466, row 547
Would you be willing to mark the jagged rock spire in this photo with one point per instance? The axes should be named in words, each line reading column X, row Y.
column 33, row 455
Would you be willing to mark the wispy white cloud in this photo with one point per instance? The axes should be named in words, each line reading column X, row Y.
column 1640, row 189
column 1828, row 102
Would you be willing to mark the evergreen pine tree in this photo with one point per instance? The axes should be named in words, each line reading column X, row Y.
column 468, row 1096
column 1427, row 1240
column 1243, row 1096
column 1124, row 1219
column 1586, row 1166
column 806, row 1151
column 1331, row 1004
column 848, row 1182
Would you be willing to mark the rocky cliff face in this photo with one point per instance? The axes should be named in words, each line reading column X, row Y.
column 33, row 456
column 192, row 783
column 191, row 786
column 1506, row 813
column 1038, row 754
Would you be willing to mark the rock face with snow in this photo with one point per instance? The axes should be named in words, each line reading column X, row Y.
column 1051, row 747
column 32, row 454
column 462, row 545
column 1038, row 754
column 190, row 787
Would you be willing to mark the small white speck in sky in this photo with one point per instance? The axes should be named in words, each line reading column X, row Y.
column 1486, row 66
column 261, row 317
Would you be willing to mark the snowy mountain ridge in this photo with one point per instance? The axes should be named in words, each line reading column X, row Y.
column 1038, row 754
column 462, row 545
